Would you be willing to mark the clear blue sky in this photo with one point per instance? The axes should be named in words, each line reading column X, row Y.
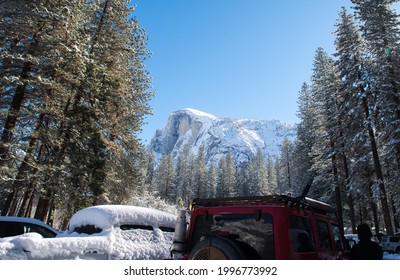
column 233, row 58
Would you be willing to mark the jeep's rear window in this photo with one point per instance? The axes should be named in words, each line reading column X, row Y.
column 252, row 232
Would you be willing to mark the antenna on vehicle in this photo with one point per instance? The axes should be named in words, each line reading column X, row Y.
column 306, row 189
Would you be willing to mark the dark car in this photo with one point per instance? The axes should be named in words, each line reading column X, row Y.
column 12, row 226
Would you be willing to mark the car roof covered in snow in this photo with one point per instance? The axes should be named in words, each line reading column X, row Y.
column 108, row 216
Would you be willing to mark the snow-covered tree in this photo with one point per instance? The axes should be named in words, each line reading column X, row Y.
column 83, row 90
column 285, row 165
column 302, row 159
column 165, row 178
column 200, row 175
column 357, row 99
column 226, row 186
column 380, row 30
column 184, row 175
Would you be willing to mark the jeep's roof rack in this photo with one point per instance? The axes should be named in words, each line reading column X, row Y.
column 306, row 203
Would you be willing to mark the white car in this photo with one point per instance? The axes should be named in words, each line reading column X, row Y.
column 106, row 232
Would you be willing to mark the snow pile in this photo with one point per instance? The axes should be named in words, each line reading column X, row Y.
column 111, row 243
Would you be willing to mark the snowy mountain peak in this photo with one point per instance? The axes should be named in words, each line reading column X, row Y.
column 198, row 113
column 242, row 138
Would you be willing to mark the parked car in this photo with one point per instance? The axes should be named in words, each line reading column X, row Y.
column 391, row 244
column 267, row 227
column 12, row 226
column 106, row 232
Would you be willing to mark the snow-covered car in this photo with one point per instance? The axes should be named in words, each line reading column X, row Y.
column 12, row 226
column 105, row 232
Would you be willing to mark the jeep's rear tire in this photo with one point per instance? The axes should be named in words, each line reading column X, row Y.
column 217, row 248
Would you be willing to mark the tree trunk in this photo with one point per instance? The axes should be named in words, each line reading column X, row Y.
column 7, row 206
column 350, row 203
column 338, row 192
column 13, row 112
column 12, row 117
column 374, row 210
column 378, row 172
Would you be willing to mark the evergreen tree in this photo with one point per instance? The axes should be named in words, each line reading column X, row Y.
column 261, row 176
column 356, row 99
column 200, row 175
column 325, row 129
column 251, row 180
column 211, row 182
column 84, row 90
column 380, row 30
column 226, row 186
column 150, row 176
column 271, row 176
column 184, row 175
column 304, row 141
column 285, row 165
column 165, row 178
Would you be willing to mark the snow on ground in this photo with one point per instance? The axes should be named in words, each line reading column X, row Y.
column 387, row 256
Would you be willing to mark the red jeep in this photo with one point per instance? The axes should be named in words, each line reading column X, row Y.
column 267, row 227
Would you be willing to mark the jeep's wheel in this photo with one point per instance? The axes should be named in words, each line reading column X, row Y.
column 397, row 251
column 217, row 248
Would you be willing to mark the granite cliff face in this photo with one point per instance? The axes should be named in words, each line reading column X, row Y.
column 240, row 137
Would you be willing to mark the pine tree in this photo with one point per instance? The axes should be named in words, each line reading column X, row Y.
column 226, row 186
column 150, row 176
column 285, row 165
column 271, row 176
column 261, row 175
column 211, row 182
column 304, row 140
column 200, row 175
column 325, row 128
column 357, row 99
column 38, row 44
column 380, row 30
column 251, row 180
column 85, row 93
column 165, row 178
column 184, row 175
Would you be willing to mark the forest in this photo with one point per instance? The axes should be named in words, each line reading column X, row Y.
column 75, row 92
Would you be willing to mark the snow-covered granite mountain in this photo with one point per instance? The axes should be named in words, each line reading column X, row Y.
column 241, row 137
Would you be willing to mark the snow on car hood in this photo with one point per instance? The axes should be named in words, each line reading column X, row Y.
column 34, row 246
column 107, row 216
